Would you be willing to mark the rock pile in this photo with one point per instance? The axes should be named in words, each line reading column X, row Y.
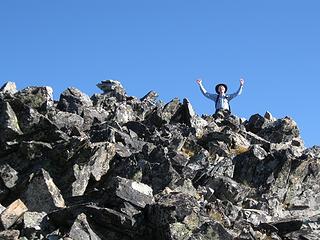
column 113, row 166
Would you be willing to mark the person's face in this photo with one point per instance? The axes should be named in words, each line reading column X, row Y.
column 221, row 89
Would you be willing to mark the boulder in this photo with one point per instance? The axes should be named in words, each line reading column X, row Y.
column 74, row 101
column 81, row 229
column 112, row 88
column 12, row 213
column 9, row 87
column 39, row 98
column 121, row 189
column 9, row 126
column 42, row 195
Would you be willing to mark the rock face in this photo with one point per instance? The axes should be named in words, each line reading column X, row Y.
column 118, row 167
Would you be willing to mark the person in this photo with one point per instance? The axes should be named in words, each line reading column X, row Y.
column 221, row 98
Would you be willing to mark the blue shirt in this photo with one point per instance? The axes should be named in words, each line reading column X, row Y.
column 223, row 99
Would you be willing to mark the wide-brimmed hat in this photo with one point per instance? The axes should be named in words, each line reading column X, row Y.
column 221, row 84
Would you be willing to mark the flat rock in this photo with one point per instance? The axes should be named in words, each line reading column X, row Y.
column 12, row 213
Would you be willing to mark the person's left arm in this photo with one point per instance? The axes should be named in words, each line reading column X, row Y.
column 237, row 93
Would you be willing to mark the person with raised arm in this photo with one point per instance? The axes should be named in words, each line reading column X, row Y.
column 221, row 98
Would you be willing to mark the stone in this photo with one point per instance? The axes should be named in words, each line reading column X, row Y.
column 10, row 235
column 124, row 114
column 12, row 213
column 40, row 98
column 227, row 189
column 150, row 97
column 211, row 230
column 269, row 116
column 112, row 87
column 9, row 175
column 67, row 121
column 34, row 221
column 42, row 195
column 121, row 189
column 74, row 101
column 169, row 209
column 9, row 126
column 81, row 229
column 93, row 160
column 9, row 87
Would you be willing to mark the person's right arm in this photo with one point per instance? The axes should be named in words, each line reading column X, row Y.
column 204, row 91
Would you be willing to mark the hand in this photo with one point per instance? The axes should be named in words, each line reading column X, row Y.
column 199, row 81
column 241, row 81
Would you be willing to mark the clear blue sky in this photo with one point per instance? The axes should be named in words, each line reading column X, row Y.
column 166, row 45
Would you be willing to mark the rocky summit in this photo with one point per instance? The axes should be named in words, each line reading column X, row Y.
column 116, row 167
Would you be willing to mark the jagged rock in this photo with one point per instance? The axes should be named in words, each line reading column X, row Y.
column 169, row 209
column 124, row 114
column 94, row 116
column 150, row 97
column 269, row 116
column 226, row 189
column 42, row 195
column 160, row 116
column 251, row 164
column 81, row 229
column 74, row 101
column 211, row 230
column 281, row 130
column 9, row 175
column 39, row 98
column 112, row 88
column 302, row 195
column 121, row 189
column 9, row 126
column 67, row 121
column 28, row 118
column 34, row 220
column 10, row 235
column 9, row 87
column 12, row 213
column 106, row 222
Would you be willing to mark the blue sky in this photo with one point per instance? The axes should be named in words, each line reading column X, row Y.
column 166, row 45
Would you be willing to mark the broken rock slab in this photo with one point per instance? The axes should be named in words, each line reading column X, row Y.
column 42, row 195
column 74, row 101
column 136, row 193
column 40, row 98
column 112, row 88
column 9, row 126
column 10, row 235
column 9, row 87
column 12, row 213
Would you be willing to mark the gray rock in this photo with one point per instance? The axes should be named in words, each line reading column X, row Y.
column 9, row 126
column 9, row 87
column 92, row 160
column 226, row 189
column 12, row 213
column 10, row 235
column 81, row 229
column 269, row 116
column 39, row 98
column 112, row 88
column 121, row 190
column 169, row 209
column 66, row 121
column 9, row 175
column 42, row 195
column 211, row 230
column 124, row 114
column 74, row 101
column 34, row 220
